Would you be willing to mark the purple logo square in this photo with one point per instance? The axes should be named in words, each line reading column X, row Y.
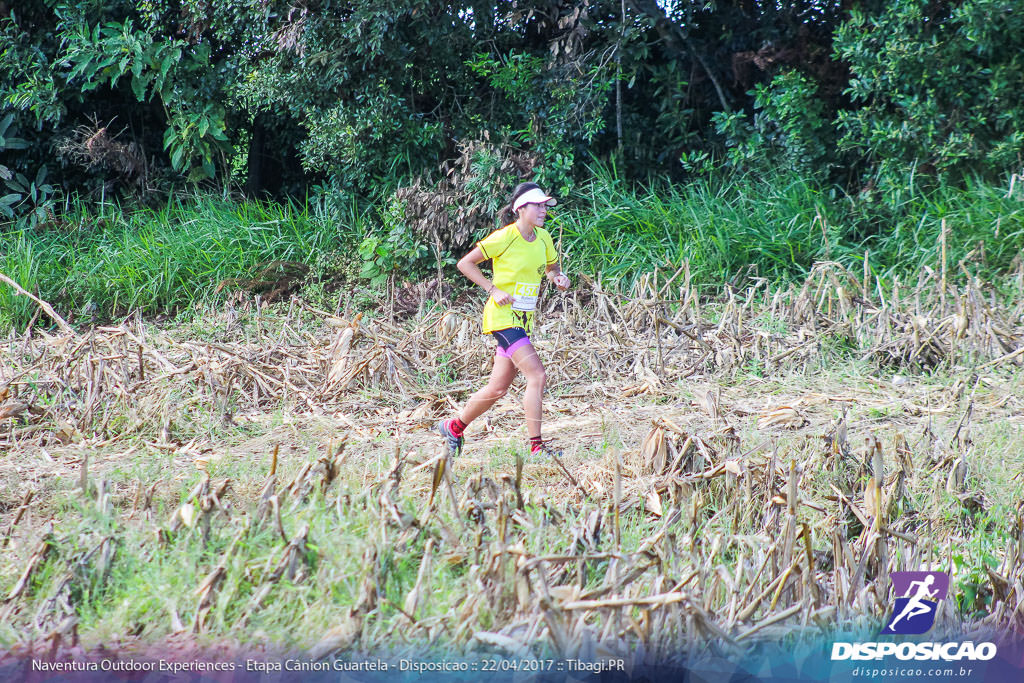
column 917, row 596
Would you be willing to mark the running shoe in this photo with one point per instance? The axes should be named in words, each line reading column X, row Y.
column 452, row 443
column 547, row 449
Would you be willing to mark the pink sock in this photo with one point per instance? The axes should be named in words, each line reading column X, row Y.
column 456, row 426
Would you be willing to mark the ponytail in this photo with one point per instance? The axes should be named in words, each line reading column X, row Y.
column 507, row 215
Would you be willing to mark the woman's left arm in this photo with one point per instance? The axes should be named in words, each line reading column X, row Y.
column 557, row 277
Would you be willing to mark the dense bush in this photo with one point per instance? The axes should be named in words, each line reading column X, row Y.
column 122, row 97
column 741, row 134
column 933, row 89
column 936, row 87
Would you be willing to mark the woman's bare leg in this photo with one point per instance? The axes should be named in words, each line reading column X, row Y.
column 502, row 374
column 528, row 363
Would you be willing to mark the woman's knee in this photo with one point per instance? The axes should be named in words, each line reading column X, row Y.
column 536, row 376
column 496, row 390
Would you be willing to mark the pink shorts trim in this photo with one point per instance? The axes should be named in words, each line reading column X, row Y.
column 507, row 353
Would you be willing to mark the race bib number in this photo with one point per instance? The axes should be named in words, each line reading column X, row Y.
column 524, row 297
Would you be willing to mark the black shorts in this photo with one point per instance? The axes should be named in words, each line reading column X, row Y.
column 510, row 339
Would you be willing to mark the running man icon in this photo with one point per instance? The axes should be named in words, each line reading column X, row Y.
column 914, row 613
column 915, row 604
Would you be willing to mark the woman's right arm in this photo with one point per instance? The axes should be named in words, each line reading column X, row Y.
column 469, row 265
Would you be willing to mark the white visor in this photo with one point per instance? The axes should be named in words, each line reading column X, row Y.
column 534, row 196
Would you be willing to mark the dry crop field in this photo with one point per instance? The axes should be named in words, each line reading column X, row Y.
column 748, row 467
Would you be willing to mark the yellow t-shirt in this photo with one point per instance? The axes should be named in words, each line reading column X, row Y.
column 518, row 267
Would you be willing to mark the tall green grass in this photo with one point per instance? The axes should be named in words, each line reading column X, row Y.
column 159, row 260
column 719, row 225
column 984, row 229
column 114, row 261
column 779, row 226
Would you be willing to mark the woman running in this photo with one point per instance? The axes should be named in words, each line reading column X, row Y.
column 521, row 253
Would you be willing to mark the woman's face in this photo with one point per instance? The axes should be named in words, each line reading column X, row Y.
column 534, row 214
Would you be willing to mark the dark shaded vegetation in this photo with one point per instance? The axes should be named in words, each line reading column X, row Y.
column 736, row 135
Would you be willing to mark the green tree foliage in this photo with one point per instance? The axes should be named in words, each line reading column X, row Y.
column 936, row 86
column 365, row 97
column 363, row 94
column 723, row 56
column 932, row 89
column 789, row 128
column 387, row 90
column 20, row 195
column 140, row 66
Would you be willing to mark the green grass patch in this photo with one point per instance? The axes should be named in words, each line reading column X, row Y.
column 777, row 226
column 162, row 260
column 97, row 265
